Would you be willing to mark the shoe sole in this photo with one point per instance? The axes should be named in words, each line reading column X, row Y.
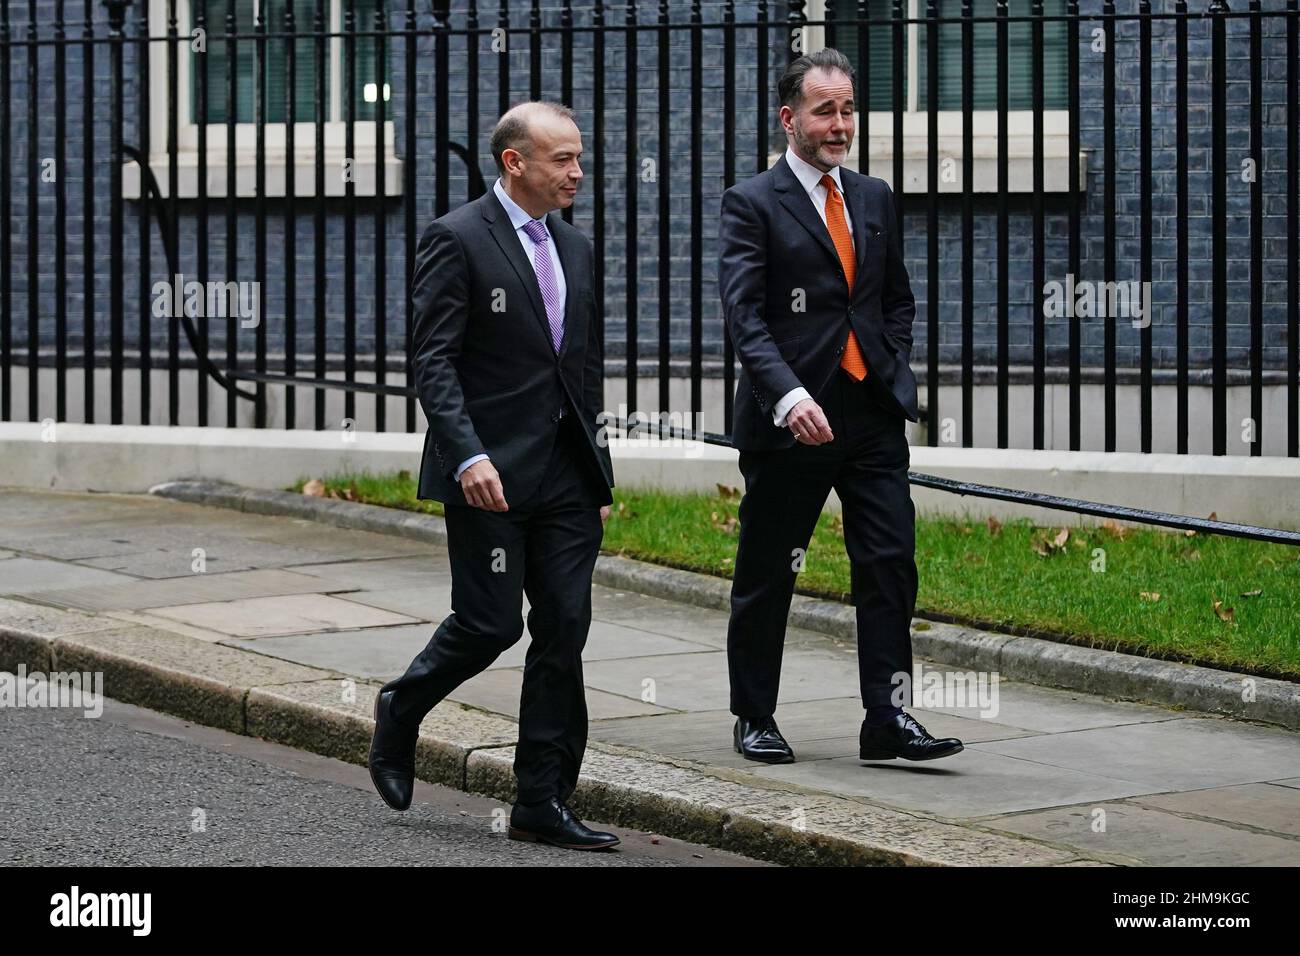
column 781, row 759
column 370, row 763
column 527, row 836
column 886, row 755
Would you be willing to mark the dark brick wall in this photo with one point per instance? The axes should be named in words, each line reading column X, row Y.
column 1271, row 157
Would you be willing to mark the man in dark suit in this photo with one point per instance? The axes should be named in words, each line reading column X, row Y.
column 819, row 306
column 508, row 365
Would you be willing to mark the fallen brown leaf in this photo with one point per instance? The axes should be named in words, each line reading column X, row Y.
column 1115, row 529
column 315, row 488
column 1224, row 613
column 994, row 526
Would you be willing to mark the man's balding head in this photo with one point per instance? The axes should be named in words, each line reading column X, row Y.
column 537, row 146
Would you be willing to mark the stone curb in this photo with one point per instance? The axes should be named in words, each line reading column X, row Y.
column 1030, row 659
column 331, row 714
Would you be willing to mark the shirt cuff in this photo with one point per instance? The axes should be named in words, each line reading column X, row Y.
column 467, row 462
column 788, row 401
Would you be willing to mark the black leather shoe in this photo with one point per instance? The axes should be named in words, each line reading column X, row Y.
column 392, row 754
column 758, row 739
column 554, row 823
column 903, row 737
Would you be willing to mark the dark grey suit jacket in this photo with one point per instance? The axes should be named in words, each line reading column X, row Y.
column 776, row 254
column 489, row 381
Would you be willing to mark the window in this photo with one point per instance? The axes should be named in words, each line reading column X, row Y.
column 880, row 82
column 876, row 87
column 275, row 66
column 366, row 86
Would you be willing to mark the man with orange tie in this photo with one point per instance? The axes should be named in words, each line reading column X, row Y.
column 819, row 306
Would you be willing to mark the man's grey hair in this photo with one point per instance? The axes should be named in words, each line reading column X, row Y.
column 790, row 87
column 512, row 130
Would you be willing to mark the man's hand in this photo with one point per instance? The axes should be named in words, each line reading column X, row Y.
column 482, row 486
column 604, row 513
column 808, row 423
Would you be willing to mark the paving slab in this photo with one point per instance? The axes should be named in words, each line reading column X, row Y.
column 192, row 588
column 1262, row 806
column 1190, row 753
column 378, row 653
column 383, row 573
column 425, row 602
column 1049, row 710
column 30, row 576
column 973, row 783
column 283, row 614
column 497, row 690
column 701, row 735
column 699, row 681
column 1143, row 836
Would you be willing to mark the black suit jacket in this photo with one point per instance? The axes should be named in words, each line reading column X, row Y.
column 772, row 244
column 488, row 379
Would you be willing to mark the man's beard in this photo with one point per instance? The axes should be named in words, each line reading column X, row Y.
column 805, row 146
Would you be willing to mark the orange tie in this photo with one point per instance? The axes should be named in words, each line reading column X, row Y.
column 852, row 360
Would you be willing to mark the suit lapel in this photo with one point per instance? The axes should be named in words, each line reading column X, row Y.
column 504, row 234
column 801, row 207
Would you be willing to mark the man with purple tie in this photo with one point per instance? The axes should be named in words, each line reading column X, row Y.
column 507, row 361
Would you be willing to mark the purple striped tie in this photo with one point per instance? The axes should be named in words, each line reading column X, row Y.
column 546, row 281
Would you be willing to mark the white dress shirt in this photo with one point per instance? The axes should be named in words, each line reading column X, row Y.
column 519, row 217
column 809, row 177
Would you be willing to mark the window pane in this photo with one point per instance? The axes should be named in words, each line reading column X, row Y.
column 366, row 85
column 984, row 55
column 277, row 62
column 275, row 67
column 879, row 82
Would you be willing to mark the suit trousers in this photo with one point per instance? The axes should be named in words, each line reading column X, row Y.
column 785, row 490
column 545, row 547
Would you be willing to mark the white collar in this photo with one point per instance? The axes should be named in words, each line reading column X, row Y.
column 519, row 216
column 810, row 176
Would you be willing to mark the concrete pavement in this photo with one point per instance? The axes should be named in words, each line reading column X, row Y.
column 1048, row 776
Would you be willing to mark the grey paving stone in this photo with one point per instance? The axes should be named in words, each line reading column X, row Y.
column 189, row 589
column 1153, row 837
column 1051, row 711
column 498, row 690
column 380, row 653
column 969, row 784
column 49, row 622
column 282, row 614
column 1259, row 805
column 1191, row 753
column 696, row 735
column 384, row 573
column 426, row 602
column 685, row 622
column 699, row 681
column 30, row 576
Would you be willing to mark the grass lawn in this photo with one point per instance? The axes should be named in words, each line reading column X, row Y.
column 1206, row 599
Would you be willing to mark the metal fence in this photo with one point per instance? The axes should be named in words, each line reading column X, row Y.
column 422, row 80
